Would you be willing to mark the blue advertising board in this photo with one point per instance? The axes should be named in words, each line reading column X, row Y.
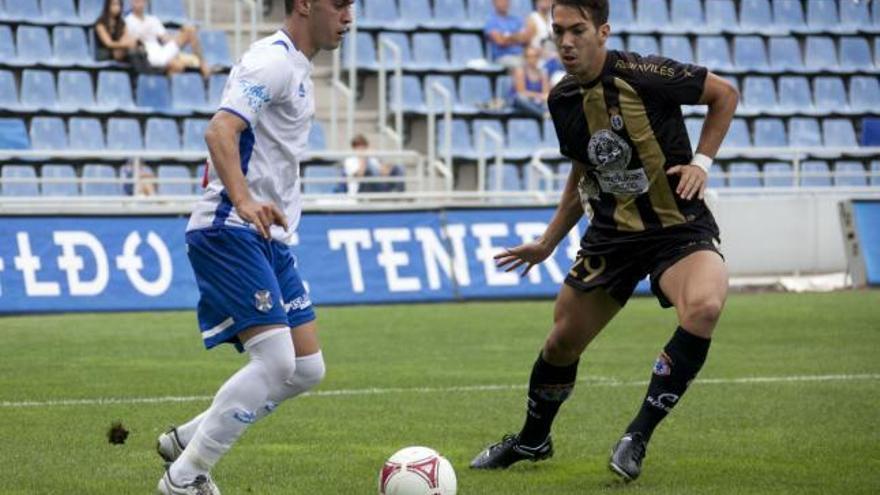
column 867, row 222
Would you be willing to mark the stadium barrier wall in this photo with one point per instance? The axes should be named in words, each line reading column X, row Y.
column 860, row 220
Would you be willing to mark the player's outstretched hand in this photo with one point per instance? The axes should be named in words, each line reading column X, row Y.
column 693, row 181
column 529, row 254
column 262, row 215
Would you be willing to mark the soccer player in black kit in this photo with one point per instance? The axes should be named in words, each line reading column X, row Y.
column 618, row 117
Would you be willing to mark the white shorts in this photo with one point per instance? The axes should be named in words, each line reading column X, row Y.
column 159, row 55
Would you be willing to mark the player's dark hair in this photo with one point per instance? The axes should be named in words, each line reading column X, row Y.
column 597, row 9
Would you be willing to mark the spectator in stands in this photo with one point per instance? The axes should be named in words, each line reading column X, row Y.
column 532, row 85
column 115, row 41
column 538, row 28
column 145, row 185
column 163, row 48
column 357, row 167
column 504, row 33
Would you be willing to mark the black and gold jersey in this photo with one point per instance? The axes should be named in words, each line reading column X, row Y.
column 627, row 128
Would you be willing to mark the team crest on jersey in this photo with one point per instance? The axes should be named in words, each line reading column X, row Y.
column 263, row 301
column 616, row 119
column 611, row 154
column 257, row 94
column 663, row 365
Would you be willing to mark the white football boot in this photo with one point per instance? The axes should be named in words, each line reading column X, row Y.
column 203, row 485
column 168, row 445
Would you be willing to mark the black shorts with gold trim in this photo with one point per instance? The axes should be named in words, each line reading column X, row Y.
column 618, row 264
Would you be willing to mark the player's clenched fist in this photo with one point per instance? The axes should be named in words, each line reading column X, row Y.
column 262, row 215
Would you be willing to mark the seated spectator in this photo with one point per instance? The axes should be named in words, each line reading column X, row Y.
column 504, row 33
column 357, row 167
column 532, row 85
column 144, row 185
column 164, row 49
column 538, row 30
column 114, row 41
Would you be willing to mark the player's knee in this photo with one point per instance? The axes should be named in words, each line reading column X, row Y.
column 559, row 351
column 310, row 371
column 704, row 311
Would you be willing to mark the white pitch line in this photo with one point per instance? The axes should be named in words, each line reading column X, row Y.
column 590, row 381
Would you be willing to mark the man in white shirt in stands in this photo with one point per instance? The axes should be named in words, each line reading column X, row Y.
column 239, row 236
column 164, row 49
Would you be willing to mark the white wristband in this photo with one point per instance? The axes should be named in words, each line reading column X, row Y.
column 702, row 161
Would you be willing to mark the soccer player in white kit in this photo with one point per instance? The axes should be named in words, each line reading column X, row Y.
column 238, row 241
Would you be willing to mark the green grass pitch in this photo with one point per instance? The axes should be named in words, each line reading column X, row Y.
column 788, row 401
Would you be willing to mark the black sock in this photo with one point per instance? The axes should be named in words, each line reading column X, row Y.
column 549, row 386
column 674, row 370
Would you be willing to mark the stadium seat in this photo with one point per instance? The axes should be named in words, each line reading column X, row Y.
column 33, row 45
column 830, row 94
column 875, row 172
column 615, row 42
column 365, row 51
column 721, row 14
column 713, row 52
column 494, row 125
column 521, row 8
column 737, row 135
column 854, row 14
column 475, row 90
column 864, row 94
column 795, row 94
column 504, row 88
column 188, row 92
column 820, row 53
column 100, row 172
column 687, row 14
column 694, row 126
column 8, row 92
column 448, row 14
column 870, row 132
column 58, row 172
column 815, row 173
column 621, row 13
column 478, row 13
column 317, row 138
column 877, row 48
column 562, row 173
column 750, row 53
column 174, row 172
column 755, row 15
column 194, row 134
column 788, row 14
column 651, row 15
column 447, row 82
column 717, row 177
column 464, row 49
column 785, row 53
column 770, row 133
column 169, row 11
column 85, row 133
column 523, row 136
column 7, row 47
column 643, row 44
column 855, row 54
column 48, row 133
column 321, row 172
column 90, row 10
column 429, row 51
column 124, row 134
column 551, row 140
column 460, row 138
column 804, row 132
column 13, row 134
column 38, row 89
column 510, row 180
column 839, row 133
column 743, row 174
column 57, row 10
column 383, row 14
column 401, row 40
column 70, row 46
column 153, row 92
column 161, row 134
column 418, row 12
column 114, row 91
column 822, row 14
column 849, row 173
column 30, row 188
column 215, row 47
column 759, row 93
column 677, row 48
column 215, row 90
column 411, row 98
column 75, row 90
column 23, row 10
column 778, row 174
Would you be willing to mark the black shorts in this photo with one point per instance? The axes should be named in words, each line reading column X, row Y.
column 618, row 264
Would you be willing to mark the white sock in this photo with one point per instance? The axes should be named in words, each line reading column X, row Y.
column 236, row 404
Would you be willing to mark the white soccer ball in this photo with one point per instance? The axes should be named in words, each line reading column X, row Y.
column 417, row 471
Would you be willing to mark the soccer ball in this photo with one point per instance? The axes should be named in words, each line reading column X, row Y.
column 417, row 471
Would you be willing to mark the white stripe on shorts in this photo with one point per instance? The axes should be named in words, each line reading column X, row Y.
column 207, row 334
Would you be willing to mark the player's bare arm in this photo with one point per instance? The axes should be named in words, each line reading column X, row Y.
column 222, row 139
column 564, row 219
column 721, row 98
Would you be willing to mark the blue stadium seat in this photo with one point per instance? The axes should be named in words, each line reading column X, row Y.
column 795, row 94
column 383, row 14
column 124, row 134
column 743, row 174
column 447, row 82
column 90, row 10
column 694, row 126
column 770, row 133
column 474, row 90
column 161, row 135
column 778, row 174
column 750, row 53
column 85, row 133
column 521, row 8
column 788, row 14
column 523, row 136
column 713, row 52
column 188, row 92
column 643, row 44
column 687, row 14
column 738, row 134
column 464, row 48
column 677, row 48
column 48, row 133
column 478, row 12
column 651, row 14
column 877, row 48
column 855, row 53
column 7, row 47
column 153, row 92
column 755, row 14
column 785, row 53
column 461, row 137
column 215, row 47
column 317, row 138
column 448, row 14
column 820, row 53
column 621, row 13
column 854, row 14
column 33, row 45
column 615, row 42
column 721, row 14
column 864, row 94
column 13, row 134
column 114, row 90
column 402, row 42
column 849, row 173
column 804, row 131
column 759, row 92
column 717, row 177
column 504, row 88
column 510, row 180
column 169, row 11
column 215, row 89
column 429, row 52
column 551, row 140
column 24, row 10
column 870, row 132
column 19, row 188
column 177, row 173
column 830, row 94
column 194, row 134
column 103, row 172
column 562, row 172
column 57, row 10
column 418, row 12
column 75, row 90
column 875, row 15
column 815, row 173
column 59, row 172
column 8, row 91
column 412, row 99
column 38, row 89
column 492, row 124
column 365, row 51
column 875, row 165
column 320, row 172
column 822, row 14
column 839, row 133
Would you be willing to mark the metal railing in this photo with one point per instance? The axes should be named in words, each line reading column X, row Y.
column 498, row 141
column 348, row 91
column 395, row 133
column 435, row 166
column 256, row 11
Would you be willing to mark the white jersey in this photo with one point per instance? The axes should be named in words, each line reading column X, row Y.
column 271, row 90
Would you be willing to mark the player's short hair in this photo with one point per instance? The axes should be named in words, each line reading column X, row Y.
column 597, row 9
